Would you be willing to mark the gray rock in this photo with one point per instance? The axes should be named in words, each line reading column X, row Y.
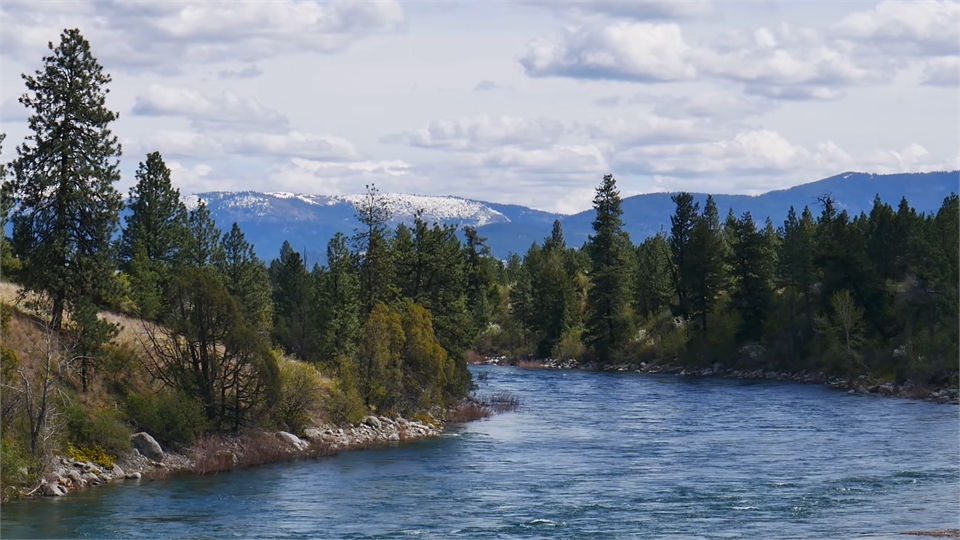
column 117, row 472
column 132, row 476
column 372, row 421
column 74, row 476
column 91, row 479
column 291, row 439
column 147, row 445
column 53, row 489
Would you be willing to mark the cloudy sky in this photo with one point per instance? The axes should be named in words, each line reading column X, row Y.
column 516, row 101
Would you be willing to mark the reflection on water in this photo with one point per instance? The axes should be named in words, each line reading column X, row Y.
column 588, row 456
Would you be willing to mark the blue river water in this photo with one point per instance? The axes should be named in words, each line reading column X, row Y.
column 587, row 455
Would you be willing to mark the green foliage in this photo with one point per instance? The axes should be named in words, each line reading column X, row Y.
column 344, row 403
column 67, row 208
column 301, row 395
column 94, row 454
column 103, row 428
column 169, row 416
column 609, row 315
column 19, row 469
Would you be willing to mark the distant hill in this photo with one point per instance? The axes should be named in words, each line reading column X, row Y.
column 309, row 221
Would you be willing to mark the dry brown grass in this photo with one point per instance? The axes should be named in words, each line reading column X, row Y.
column 217, row 453
column 467, row 411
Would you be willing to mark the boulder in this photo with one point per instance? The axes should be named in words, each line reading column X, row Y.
column 147, row 445
column 74, row 476
column 53, row 489
column 117, row 472
column 313, row 434
column 132, row 476
column 372, row 421
column 292, row 440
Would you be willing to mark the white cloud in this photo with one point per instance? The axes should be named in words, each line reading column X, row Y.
column 922, row 27
column 483, row 131
column 760, row 160
column 941, row 71
column 250, row 72
column 782, row 62
column 648, row 129
column 639, row 10
column 158, row 35
column 311, row 176
column 225, row 110
column 565, row 159
column 641, row 52
column 713, row 105
column 268, row 145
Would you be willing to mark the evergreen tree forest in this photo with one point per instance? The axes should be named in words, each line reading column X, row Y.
column 823, row 292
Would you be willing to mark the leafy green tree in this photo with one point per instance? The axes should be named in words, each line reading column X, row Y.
column 68, row 208
column 203, row 346
column 522, row 302
column 609, row 316
column 380, row 361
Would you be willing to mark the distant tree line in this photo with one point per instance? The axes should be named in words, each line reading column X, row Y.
column 828, row 292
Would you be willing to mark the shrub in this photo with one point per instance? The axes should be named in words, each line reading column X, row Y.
column 103, row 428
column 170, row 416
column 343, row 404
column 468, row 411
column 18, row 470
column 94, row 454
column 301, row 395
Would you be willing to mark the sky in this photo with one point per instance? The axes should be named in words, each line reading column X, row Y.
column 511, row 101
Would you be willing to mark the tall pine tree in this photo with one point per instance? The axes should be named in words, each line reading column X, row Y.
column 64, row 175
column 608, row 319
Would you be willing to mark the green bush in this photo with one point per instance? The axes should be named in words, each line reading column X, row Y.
column 18, row 469
column 104, row 428
column 171, row 417
column 301, row 395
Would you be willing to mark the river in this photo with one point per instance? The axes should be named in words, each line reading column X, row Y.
column 588, row 455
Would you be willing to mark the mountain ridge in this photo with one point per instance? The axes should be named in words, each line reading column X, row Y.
column 308, row 221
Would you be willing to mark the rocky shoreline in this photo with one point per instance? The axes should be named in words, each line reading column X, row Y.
column 860, row 385
column 147, row 460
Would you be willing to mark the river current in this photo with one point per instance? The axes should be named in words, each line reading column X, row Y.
column 587, row 455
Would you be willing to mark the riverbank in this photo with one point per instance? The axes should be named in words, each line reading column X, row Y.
column 860, row 385
column 222, row 453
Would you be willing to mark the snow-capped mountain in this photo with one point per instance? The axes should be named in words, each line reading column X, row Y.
column 309, row 221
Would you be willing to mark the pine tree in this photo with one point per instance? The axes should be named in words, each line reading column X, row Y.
column 202, row 247
column 157, row 219
column 339, row 303
column 246, row 278
column 154, row 236
column 749, row 262
column 653, row 287
column 64, row 175
column 294, row 304
column 681, row 235
column 372, row 245
column 609, row 317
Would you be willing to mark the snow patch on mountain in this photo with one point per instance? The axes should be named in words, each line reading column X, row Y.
column 403, row 206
